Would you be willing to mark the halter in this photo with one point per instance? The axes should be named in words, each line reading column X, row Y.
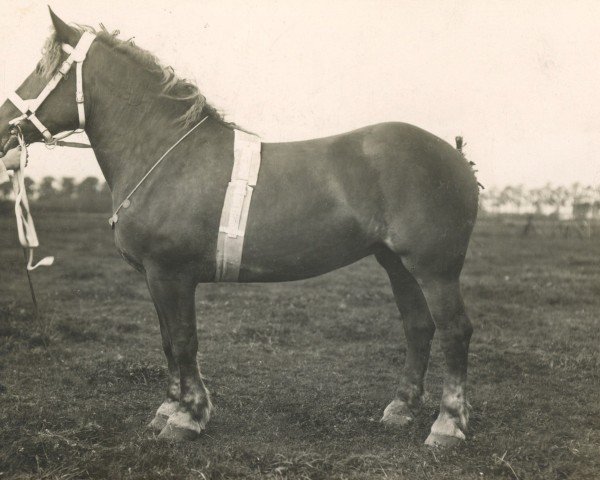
column 29, row 107
column 25, row 226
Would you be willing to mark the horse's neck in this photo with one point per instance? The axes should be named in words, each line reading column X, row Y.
column 127, row 140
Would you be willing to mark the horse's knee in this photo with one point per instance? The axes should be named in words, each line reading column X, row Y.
column 419, row 330
column 458, row 327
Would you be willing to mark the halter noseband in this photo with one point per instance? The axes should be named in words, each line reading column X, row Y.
column 29, row 107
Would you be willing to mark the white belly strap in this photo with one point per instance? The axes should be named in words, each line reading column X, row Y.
column 232, row 228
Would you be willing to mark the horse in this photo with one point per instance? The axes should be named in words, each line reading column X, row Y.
column 391, row 190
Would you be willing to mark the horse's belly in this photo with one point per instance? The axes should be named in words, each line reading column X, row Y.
column 304, row 249
column 300, row 264
column 316, row 208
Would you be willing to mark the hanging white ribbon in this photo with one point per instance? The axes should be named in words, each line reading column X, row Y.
column 25, row 226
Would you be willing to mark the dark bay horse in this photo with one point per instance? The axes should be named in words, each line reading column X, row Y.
column 391, row 190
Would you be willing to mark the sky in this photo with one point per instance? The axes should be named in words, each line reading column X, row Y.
column 519, row 80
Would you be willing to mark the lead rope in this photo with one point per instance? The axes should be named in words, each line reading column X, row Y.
column 25, row 226
column 112, row 221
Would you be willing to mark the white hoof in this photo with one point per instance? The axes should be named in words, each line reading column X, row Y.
column 445, row 432
column 397, row 414
column 180, row 427
column 167, row 408
column 158, row 423
column 444, row 441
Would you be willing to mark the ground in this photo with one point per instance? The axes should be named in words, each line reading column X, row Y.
column 300, row 373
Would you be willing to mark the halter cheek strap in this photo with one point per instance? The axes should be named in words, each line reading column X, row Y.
column 29, row 107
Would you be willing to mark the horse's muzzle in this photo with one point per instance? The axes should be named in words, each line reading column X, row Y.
column 11, row 143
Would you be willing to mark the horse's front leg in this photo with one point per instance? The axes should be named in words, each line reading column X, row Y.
column 171, row 402
column 173, row 294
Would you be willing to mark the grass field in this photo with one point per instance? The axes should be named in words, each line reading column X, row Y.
column 300, row 373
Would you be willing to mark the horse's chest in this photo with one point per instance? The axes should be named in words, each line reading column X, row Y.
column 129, row 244
column 130, row 255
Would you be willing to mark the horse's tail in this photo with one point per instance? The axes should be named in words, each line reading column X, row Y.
column 459, row 146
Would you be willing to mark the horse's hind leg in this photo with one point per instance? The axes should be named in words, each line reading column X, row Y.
column 441, row 290
column 173, row 294
column 418, row 329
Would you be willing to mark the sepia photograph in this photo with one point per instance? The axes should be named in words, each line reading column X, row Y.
column 284, row 239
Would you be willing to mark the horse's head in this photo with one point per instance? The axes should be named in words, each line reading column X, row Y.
column 58, row 112
column 119, row 80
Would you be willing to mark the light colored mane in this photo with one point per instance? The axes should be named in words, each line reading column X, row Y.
column 171, row 85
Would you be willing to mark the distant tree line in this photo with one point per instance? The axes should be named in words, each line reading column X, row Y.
column 64, row 194
column 546, row 200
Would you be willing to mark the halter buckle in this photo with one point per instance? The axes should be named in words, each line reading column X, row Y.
column 65, row 67
column 79, row 97
column 48, row 138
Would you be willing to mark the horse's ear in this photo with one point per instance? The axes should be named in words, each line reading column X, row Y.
column 64, row 33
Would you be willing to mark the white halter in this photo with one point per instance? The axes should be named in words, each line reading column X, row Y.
column 29, row 107
column 25, row 226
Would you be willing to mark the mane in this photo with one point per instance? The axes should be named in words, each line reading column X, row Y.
column 171, row 85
